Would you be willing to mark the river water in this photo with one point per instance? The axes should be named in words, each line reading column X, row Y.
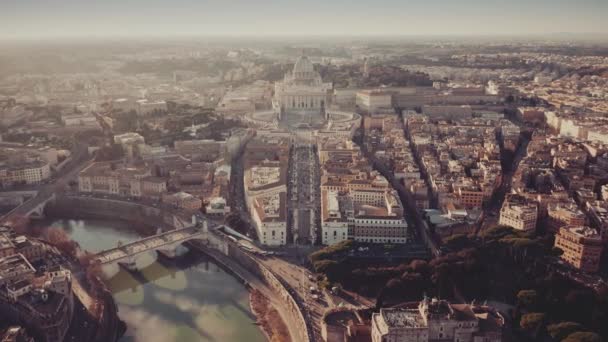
column 189, row 299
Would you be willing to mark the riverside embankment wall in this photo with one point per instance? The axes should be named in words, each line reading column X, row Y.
column 293, row 309
column 79, row 207
column 146, row 216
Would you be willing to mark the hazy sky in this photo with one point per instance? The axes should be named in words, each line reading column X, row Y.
column 44, row 18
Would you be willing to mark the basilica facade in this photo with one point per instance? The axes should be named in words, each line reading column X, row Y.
column 301, row 92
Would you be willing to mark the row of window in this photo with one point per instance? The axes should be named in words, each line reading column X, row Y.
column 380, row 240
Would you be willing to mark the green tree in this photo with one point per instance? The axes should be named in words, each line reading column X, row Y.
column 414, row 286
column 530, row 322
column 559, row 331
column 583, row 337
column 496, row 233
column 527, row 299
column 420, row 266
column 441, row 280
column 325, row 266
column 330, row 251
column 457, row 242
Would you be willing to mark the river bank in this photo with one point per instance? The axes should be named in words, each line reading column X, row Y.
column 268, row 317
column 189, row 298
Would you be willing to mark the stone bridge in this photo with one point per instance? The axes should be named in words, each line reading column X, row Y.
column 163, row 242
column 34, row 207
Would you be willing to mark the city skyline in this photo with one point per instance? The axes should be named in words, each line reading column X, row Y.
column 266, row 170
column 34, row 19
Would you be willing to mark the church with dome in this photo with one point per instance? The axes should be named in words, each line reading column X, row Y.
column 302, row 94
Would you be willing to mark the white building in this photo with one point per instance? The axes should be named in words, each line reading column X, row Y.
column 217, row 206
column 25, row 173
column 302, row 91
column 80, row 120
column 334, row 218
column 269, row 216
column 265, row 195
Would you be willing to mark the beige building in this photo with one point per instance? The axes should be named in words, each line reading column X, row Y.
column 25, row 173
column 37, row 298
column 108, row 179
column 145, row 107
column 131, row 143
column 519, row 213
column 235, row 105
column 206, row 149
column 15, row 334
column 184, row 201
column 564, row 214
column 531, row 114
column 471, row 196
column 582, row 247
column 383, row 223
column 373, row 101
column 437, row 321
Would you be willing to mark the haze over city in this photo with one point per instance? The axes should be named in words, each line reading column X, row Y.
column 303, row 171
column 35, row 19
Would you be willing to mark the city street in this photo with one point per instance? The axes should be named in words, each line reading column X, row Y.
column 304, row 201
column 57, row 184
column 300, row 280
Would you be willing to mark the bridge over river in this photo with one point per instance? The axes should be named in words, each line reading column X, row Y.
column 208, row 237
column 163, row 241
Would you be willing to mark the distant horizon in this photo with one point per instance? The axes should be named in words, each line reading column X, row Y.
column 565, row 36
column 63, row 19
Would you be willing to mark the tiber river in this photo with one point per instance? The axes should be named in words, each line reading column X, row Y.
column 189, row 300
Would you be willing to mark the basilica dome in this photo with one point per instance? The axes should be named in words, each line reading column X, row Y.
column 303, row 68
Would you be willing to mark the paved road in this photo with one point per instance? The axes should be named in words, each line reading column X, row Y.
column 57, row 184
column 413, row 217
column 299, row 279
column 490, row 214
column 304, row 195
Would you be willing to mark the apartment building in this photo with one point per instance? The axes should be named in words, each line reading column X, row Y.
column 582, row 247
column 563, row 214
column 265, row 182
column 519, row 213
column 31, row 172
column 269, row 214
column 336, row 217
column 120, row 180
column 380, row 224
